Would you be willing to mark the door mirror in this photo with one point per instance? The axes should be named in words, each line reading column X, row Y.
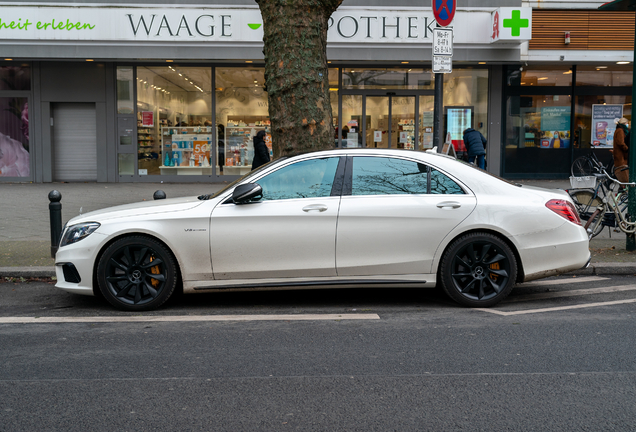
column 246, row 193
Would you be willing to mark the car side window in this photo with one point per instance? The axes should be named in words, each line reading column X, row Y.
column 305, row 179
column 387, row 176
column 442, row 184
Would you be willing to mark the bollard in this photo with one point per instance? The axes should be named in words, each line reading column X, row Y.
column 159, row 195
column 55, row 213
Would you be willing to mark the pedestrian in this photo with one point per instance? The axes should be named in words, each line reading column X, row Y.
column 621, row 150
column 261, row 152
column 476, row 145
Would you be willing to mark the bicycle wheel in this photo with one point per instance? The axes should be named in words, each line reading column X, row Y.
column 585, row 201
column 581, row 167
column 594, row 224
column 626, row 224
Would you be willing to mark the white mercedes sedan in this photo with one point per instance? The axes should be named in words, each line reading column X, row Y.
column 331, row 219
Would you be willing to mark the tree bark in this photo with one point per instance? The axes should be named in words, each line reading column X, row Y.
column 296, row 73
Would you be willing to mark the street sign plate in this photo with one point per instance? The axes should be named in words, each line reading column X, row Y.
column 443, row 41
column 442, row 64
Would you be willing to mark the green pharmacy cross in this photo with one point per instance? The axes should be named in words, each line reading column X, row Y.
column 515, row 23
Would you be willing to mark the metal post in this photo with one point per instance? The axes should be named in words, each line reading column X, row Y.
column 438, row 106
column 630, row 242
column 55, row 214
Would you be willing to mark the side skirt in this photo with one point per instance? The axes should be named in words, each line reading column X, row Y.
column 402, row 281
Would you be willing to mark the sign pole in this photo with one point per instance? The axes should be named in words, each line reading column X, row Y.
column 630, row 241
column 438, row 107
column 444, row 12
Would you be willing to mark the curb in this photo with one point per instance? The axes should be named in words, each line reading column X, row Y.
column 27, row 272
column 595, row 269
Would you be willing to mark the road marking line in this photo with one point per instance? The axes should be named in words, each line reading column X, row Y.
column 571, row 293
column 563, row 281
column 188, row 318
column 561, row 308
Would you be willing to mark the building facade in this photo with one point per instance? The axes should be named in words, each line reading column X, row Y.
column 153, row 91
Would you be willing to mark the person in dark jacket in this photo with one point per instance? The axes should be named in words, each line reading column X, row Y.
column 475, row 144
column 261, row 152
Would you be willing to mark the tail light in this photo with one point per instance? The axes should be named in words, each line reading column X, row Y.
column 565, row 209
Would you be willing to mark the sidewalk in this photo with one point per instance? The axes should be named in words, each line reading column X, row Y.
column 25, row 239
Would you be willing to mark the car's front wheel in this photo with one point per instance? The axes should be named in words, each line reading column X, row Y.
column 137, row 274
column 478, row 270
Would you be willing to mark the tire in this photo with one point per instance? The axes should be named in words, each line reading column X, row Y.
column 594, row 224
column 585, row 201
column 137, row 274
column 582, row 167
column 478, row 270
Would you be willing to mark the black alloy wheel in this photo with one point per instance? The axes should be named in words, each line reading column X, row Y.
column 137, row 274
column 478, row 270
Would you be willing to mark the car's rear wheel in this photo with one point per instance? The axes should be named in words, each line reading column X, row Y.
column 478, row 270
column 137, row 274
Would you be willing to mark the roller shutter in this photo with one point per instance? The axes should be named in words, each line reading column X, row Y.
column 74, row 142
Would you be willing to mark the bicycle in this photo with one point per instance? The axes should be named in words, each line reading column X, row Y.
column 614, row 203
column 588, row 165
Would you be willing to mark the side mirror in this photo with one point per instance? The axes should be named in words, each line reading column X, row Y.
column 245, row 193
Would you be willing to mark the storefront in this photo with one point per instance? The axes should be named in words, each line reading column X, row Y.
column 558, row 114
column 169, row 93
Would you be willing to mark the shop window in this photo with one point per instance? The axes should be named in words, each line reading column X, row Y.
column 333, row 98
column 174, row 120
column 242, row 110
column 125, row 90
column 14, row 137
column 604, row 75
column 15, row 77
column 538, row 134
column 387, row 78
column 595, row 123
column 465, row 105
column 352, row 121
column 555, row 76
column 426, row 119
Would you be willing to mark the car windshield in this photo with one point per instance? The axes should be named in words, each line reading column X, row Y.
column 240, row 179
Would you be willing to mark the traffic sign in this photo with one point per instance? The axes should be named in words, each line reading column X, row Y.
column 443, row 41
column 444, row 11
column 442, row 64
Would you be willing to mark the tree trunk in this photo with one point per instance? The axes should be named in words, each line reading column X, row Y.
column 296, row 74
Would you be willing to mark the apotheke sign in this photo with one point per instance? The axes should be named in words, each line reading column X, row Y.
column 177, row 24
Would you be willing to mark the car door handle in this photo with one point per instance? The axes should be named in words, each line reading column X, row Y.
column 315, row 207
column 449, row 204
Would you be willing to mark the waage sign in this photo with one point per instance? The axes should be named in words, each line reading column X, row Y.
column 190, row 25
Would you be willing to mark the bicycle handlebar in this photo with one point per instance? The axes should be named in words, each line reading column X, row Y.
column 615, row 180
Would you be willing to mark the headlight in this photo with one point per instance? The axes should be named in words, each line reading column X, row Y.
column 75, row 233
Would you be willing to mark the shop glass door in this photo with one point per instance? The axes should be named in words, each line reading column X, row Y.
column 391, row 122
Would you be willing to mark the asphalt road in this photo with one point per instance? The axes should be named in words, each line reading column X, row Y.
column 557, row 355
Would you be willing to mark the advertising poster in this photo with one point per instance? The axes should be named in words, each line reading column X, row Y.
column 604, row 119
column 147, row 119
column 555, row 127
